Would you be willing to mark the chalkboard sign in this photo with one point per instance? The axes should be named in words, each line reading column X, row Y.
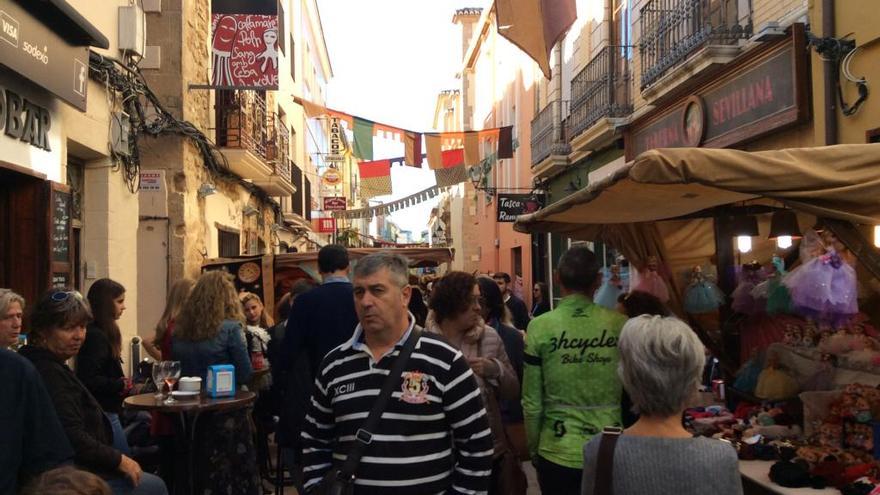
column 60, row 228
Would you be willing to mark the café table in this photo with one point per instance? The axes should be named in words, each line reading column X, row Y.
column 188, row 411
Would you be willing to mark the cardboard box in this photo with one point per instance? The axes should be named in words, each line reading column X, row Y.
column 221, row 381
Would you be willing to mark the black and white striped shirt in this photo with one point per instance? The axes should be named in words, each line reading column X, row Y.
column 433, row 437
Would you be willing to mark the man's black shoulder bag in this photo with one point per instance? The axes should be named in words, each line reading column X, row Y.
column 340, row 481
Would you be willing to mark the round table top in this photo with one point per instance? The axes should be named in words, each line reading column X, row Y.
column 148, row 402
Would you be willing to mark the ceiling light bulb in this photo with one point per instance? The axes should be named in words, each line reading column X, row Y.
column 783, row 241
column 744, row 243
column 877, row 236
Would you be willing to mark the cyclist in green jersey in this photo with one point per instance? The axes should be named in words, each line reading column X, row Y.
column 570, row 386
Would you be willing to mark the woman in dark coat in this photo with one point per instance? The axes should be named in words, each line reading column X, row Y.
column 57, row 332
column 99, row 363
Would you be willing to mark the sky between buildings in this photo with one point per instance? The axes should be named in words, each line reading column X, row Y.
column 390, row 60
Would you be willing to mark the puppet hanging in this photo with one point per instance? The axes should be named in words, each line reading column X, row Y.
column 652, row 282
column 612, row 287
column 772, row 291
column 743, row 301
column 702, row 295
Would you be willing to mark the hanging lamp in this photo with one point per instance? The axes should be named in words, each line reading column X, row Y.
column 784, row 227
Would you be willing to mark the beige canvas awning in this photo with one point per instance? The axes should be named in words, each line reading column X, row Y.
column 833, row 181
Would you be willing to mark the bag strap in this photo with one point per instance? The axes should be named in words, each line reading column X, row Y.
column 364, row 437
column 604, row 484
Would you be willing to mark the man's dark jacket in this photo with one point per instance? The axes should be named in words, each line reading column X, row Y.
column 87, row 429
column 519, row 311
column 320, row 320
column 31, row 436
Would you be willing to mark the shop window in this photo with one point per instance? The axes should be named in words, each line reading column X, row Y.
column 229, row 243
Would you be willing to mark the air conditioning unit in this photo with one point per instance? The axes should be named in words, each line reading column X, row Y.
column 132, row 30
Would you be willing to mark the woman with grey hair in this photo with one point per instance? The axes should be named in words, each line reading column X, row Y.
column 661, row 363
column 11, row 311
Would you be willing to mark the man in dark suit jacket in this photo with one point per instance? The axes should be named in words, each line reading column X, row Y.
column 319, row 321
column 517, row 307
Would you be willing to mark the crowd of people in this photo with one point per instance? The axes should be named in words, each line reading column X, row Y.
column 378, row 385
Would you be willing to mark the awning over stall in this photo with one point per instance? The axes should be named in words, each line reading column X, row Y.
column 833, row 181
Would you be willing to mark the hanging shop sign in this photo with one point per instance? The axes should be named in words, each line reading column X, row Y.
column 335, row 203
column 331, row 178
column 326, row 225
column 511, row 206
column 244, row 44
column 336, row 148
column 764, row 91
column 31, row 49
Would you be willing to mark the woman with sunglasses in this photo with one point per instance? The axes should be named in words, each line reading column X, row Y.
column 540, row 300
column 456, row 313
column 99, row 363
column 57, row 332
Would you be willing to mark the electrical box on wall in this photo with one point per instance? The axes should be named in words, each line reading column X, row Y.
column 132, row 30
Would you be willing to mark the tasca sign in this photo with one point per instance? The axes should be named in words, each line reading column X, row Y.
column 37, row 53
column 511, row 206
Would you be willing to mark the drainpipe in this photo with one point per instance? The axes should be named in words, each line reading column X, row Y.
column 830, row 78
column 557, row 117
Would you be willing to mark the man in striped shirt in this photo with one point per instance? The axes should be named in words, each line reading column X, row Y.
column 433, row 436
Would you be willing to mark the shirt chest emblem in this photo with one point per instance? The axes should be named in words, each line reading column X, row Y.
column 415, row 387
column 344, row 389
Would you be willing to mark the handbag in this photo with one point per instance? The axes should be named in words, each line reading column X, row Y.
column 604, row 482
column 340, row 481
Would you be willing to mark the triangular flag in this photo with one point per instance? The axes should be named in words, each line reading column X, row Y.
column 363, row 138
column 412, row 142
column 505, row 142
column 375, row 178
column 471, row 148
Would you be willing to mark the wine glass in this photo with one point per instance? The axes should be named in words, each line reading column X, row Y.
column 159, row 379
column 172, row 373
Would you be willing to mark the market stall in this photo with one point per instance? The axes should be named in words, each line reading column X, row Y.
column 767, row 255
column 280, row 271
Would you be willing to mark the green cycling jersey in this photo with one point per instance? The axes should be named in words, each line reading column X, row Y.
column 570, row 385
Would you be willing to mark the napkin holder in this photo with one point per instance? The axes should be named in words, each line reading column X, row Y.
column 221, row 381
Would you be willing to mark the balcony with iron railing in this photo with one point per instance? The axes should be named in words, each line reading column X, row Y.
column 672, row 30
column 548, row 135
column 277, row 156
column 242, row 132
column 601, row 90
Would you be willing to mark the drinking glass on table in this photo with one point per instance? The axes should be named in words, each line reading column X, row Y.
column 172, row 373
column 159, row 379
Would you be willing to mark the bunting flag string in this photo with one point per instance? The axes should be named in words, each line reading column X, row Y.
column 384, row 209
column 435, row 142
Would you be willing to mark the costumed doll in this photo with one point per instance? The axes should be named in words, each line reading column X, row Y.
column 702, row 295
column 772, row 290
column 612, row 287
column 743, row 301
column 774, row 383
column 652, row 282
column 824, row 287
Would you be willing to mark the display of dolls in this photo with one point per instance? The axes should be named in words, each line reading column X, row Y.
column 743, row 302
column 612, row 287
column 702, row 295
column 824, row 287
column 651, row 281
column 772, row 290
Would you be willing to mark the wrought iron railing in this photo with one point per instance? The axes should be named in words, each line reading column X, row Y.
column 544, row 140
column 673, row 29
column 601, row 89
column 277, row 150
column 242, row 121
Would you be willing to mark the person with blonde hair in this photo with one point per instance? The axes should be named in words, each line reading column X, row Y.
column 208, row 331
column 160, row 344
column 254, row 311
column 11, row 311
